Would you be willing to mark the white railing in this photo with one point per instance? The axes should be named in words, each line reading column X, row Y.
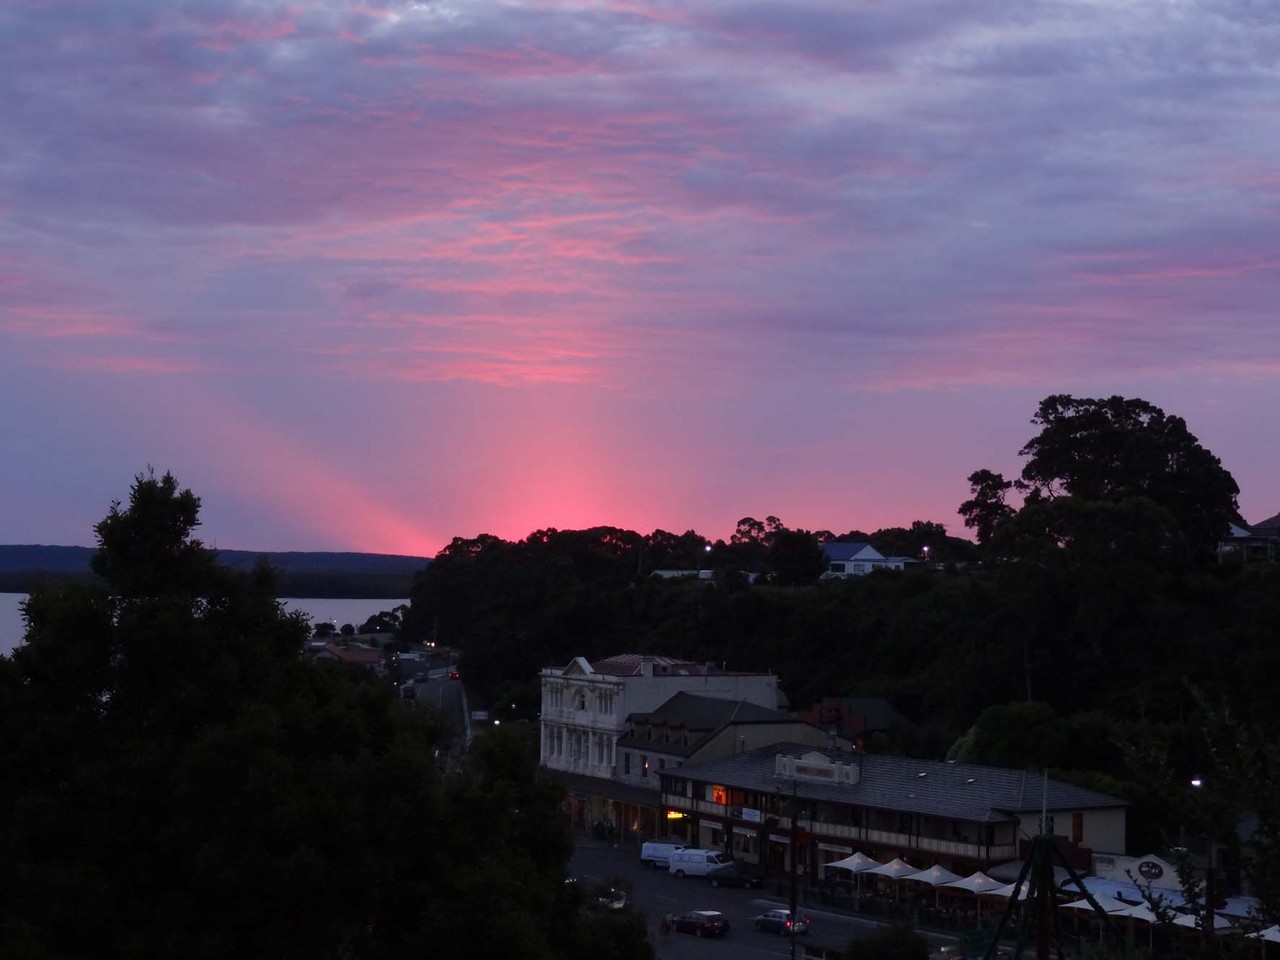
column 584, row 719
column 844, row 831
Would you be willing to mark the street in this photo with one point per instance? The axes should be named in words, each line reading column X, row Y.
column 655, row 892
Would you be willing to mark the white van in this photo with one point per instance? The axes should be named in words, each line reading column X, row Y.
column 653, row 854
column 695, row 863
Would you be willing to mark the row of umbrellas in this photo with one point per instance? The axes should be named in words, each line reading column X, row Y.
column 938, row 877
column 979, row 883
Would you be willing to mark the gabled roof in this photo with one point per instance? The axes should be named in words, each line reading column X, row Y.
column 1268, row 527
column 958, row 791
column 851, row 551
column 707, row 713
column 360, row 655
column 879, row 713
column 704, row 717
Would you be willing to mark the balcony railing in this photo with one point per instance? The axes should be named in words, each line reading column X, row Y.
column 584, row 719
column 856, row 834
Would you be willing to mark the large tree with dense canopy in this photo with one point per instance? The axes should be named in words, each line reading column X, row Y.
column 1114, row 450
column 179, row 781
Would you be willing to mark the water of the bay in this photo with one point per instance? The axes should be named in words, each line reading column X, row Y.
column 337, row 611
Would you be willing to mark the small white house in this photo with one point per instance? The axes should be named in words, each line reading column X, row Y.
column 856, row 560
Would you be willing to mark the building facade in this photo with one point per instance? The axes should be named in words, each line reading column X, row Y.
column 963, row 816
column 585, row 708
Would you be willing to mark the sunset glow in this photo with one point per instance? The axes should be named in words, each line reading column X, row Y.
column 370, row 275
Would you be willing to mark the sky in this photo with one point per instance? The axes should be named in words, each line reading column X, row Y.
column 372, row 275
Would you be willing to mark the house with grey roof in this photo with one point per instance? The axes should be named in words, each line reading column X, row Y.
column 855, row 560
column 1251, row 543
column 963, row 816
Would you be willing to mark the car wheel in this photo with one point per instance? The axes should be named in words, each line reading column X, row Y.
column 715, row 882
column 697, row 931
column 759, row 926
column 679, row 874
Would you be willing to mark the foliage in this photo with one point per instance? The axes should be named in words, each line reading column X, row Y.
column 1111, row 450
column 795, row 558
column 179, row 781
column 1025, row 736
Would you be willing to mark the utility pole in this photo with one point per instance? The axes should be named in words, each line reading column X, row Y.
column 795, row 856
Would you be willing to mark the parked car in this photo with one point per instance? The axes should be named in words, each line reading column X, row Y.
column 779, row 921
column 694, row 863
column 609, row 898
column 654, row 853
column 703, row 923
column 735, row 874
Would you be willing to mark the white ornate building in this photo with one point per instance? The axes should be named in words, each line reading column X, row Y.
column 584, row 713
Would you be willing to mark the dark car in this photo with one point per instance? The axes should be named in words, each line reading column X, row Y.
column 703, row 923
column 779, row 921
column 608, row 898
column 736, row 875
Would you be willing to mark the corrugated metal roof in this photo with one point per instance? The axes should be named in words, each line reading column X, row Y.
column 706, row 713
column 702, row 716
column 958, row 791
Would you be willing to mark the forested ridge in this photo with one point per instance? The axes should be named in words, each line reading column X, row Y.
column 24, row 567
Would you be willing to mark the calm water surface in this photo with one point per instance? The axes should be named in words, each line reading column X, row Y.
column 354, row 612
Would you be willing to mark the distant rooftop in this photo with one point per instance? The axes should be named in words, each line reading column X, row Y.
column 707, row 713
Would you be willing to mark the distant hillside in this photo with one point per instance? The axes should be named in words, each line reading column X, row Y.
column 319, row 574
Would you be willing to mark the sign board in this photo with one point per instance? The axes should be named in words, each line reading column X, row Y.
column 479, row 715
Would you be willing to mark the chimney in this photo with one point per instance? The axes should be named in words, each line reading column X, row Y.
column 646, row 666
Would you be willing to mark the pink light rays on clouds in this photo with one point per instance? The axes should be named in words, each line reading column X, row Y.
column 279, row 474
column 692, row 222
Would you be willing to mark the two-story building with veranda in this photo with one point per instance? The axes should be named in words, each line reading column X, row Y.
column 585, row 707
column 963, row 816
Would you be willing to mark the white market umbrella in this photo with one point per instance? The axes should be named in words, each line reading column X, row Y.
column 1108, row 905
column 1146, row 915
column 933, row 876
column 858, row 863
column 975, row 883
column 1139, row 912
column 1011, row 891
column 1191, row 920
column 1270, row 934
column 895, row 869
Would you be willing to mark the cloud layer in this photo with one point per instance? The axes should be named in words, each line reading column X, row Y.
column 460, row 266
